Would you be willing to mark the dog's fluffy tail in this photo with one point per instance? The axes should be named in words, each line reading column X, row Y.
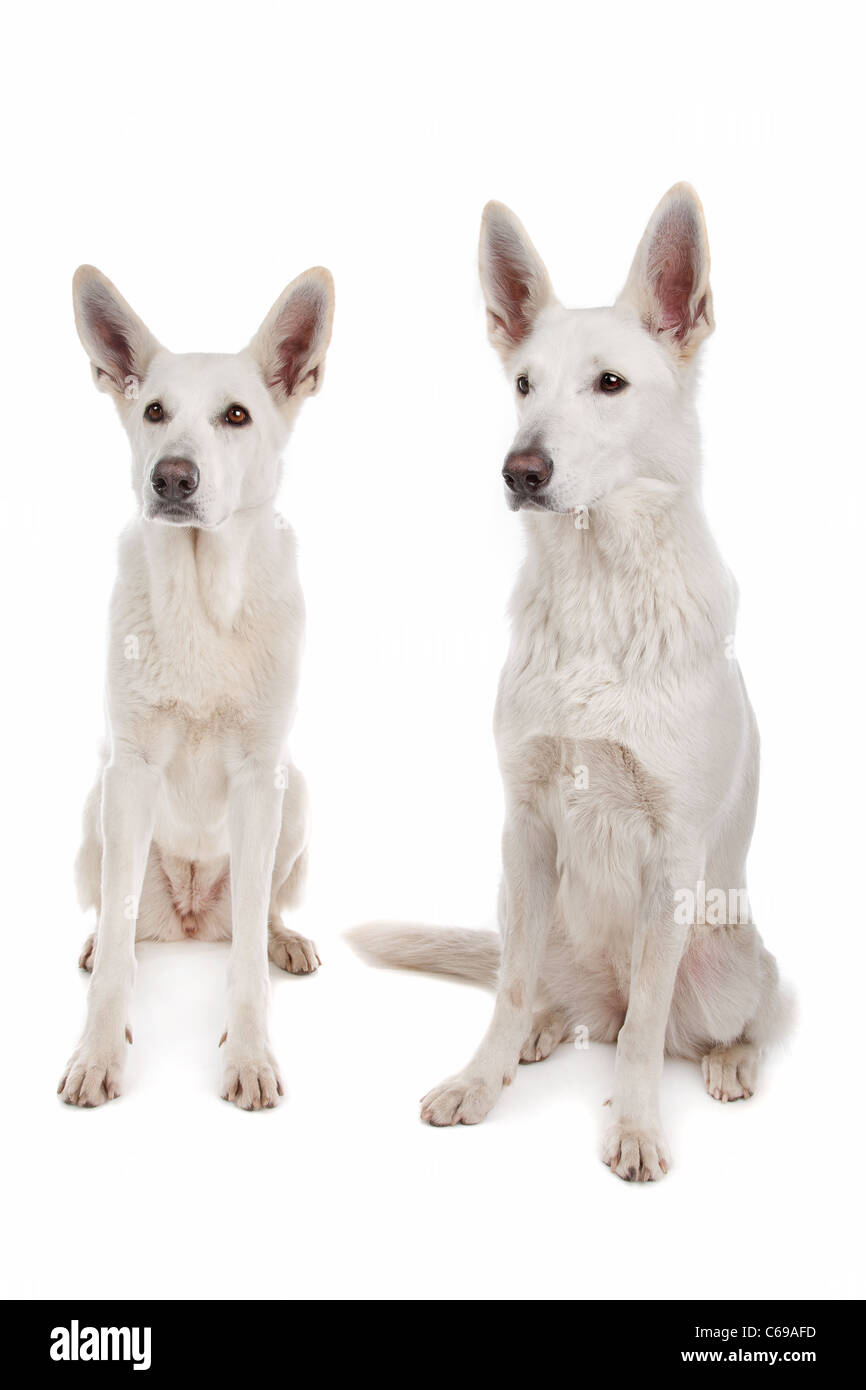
column 473, row 955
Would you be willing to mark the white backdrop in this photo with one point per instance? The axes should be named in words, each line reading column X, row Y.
column 202, row 155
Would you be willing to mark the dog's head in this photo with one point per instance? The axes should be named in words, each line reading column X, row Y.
column 206, row 429
column 603, row 395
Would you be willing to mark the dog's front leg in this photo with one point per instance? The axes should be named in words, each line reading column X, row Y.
column 251, row 1078
column 95, row 1069
column 634, row 1145
column 529, row 865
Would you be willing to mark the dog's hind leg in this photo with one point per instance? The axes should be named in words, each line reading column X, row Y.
column 290, row 951
column 731, row 1072
column 88, row 950
column 549, row 1028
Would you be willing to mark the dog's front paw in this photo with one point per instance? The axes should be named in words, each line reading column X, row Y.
column 94, row 1072
column 461, row 1100
column 291, row 952
column 251, row 1078
column 636, row 1153
column 88, row 951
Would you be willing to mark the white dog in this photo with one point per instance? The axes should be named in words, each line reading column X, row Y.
column 627, row 744
column 198, row 823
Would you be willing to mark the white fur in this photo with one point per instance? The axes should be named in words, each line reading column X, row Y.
column 627, row 744
column 198, row 824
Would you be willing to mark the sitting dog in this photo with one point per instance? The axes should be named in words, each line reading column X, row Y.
column 197, row 826
column 627, row 744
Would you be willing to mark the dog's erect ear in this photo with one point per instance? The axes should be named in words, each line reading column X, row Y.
column 515, row 283
column 669, row 281
column 291, row 344
column 118, row 344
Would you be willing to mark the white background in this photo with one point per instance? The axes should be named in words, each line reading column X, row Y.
column 202, row 155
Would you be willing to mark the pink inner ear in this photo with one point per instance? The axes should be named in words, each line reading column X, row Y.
column 297, row 330
column 110, row 332
column 512, row 285
column 672, row 267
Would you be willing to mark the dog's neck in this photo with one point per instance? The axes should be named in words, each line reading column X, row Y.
column 635, row 579
column 209, row 573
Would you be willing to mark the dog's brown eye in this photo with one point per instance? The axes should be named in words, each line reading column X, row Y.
column 523, row 385
column 610, row 382
column 154, row 412
column 236, row 415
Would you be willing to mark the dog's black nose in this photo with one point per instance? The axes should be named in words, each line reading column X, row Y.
column 174, row 479
column 527, row 472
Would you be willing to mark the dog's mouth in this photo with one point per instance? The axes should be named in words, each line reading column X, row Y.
column 173, row 514
column 530, row 504
column 578, row 513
